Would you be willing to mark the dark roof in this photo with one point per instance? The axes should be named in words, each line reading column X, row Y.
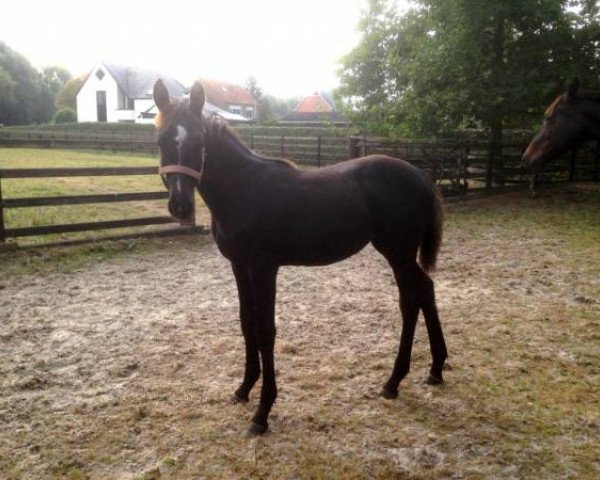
column 138, row 82
column 314, row 118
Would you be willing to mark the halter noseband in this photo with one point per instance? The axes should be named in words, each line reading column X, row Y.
column 190, row 172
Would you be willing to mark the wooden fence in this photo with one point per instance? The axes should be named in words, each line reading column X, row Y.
column 457, row 167
column 461, row 167
column 29, row 173
column 139, row 142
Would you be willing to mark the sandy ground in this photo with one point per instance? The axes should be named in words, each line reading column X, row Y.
column 125, row 369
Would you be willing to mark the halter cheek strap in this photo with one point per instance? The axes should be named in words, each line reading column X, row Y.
column 190, row 172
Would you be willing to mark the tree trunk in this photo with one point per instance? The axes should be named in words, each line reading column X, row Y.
column 495, row 165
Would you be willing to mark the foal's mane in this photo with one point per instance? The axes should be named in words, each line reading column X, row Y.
column 214, row 129
column 220, row 131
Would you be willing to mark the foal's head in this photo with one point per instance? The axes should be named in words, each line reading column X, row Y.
column 181, row 143
column 565, row 126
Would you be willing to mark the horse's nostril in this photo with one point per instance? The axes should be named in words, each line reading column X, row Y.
column 179, row 210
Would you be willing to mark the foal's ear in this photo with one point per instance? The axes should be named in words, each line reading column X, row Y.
column 161, row 95
column 573, row 89
column 197, row 99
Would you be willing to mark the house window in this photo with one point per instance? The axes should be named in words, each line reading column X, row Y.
column 100, row 74
column 235, row 109
column 249, row 112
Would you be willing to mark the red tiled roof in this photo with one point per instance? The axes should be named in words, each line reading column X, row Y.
column 314, row 103
column 224, row 94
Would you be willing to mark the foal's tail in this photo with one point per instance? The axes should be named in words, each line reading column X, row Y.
column 432, row 234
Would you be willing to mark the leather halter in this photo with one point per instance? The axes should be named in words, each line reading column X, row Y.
column 190, row 172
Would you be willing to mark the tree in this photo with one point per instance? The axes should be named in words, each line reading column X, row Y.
column 66, row 98
column 261, row 105
column 367, row 86
column 54, row 77
column 19, row 88
column 26, row 95
column 264, row 114
column 254, row 89
column 64, row 115
column 449, row 64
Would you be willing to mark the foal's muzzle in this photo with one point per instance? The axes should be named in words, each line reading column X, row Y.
column 181, row 204
column 181, row 208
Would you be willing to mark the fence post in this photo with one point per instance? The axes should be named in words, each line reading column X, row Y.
column 353, row 148
column 2, row 230
column 318, row 150
column 572, row 165
column 363, row 148
column 596, row 163
column 282, row 146
column 489, row 169
column 252, row 137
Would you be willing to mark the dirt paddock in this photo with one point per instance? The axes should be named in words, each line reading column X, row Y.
column 124, row 369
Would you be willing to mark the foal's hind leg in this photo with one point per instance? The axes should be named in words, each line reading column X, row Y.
column 409, row 308
column 416, row 292
column 434, row 329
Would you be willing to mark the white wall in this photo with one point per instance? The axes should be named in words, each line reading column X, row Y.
column 142, row 105
column 86, row 97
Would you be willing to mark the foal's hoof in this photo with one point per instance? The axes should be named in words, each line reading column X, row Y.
column 434, row 380
column 256, row 430
column 235, row 398
column 389, row 394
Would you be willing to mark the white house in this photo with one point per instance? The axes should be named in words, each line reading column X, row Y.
column 113, row 93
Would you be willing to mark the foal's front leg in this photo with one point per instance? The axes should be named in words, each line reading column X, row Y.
column 263, row 280
column 252, row 369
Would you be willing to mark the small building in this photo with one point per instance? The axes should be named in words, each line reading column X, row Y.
column 315, row 110
column 232, row 98
column 115, row 93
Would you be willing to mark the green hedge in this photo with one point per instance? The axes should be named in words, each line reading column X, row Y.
column 134, row 127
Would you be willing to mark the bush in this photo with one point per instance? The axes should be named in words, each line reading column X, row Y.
column 65, row 115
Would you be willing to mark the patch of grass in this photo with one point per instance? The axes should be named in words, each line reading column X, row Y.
column 70, row 470
column 566, row 212
column 68, row 259
column 316, row 463
column 9, row 470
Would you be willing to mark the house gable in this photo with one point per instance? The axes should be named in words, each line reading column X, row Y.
column 315, row 104
column 314, row 110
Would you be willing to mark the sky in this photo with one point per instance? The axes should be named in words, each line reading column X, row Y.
column 292, row 48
